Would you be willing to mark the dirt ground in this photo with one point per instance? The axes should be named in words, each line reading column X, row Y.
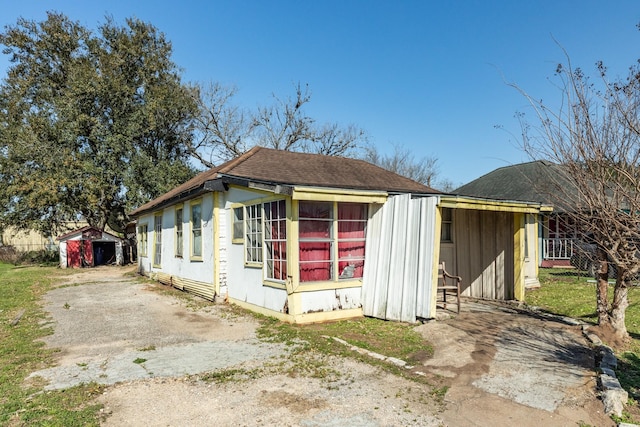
column 501, row 368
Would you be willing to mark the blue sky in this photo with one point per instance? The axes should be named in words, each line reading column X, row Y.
column 428, row 75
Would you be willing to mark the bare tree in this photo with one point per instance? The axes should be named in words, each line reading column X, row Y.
column 594, row 135
column 284, row 125
column 404, row 162
column 223, row 130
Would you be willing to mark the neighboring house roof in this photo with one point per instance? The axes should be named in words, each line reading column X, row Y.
column 539, row 181
column 290, row 168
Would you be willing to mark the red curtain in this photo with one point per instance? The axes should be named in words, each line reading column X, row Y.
column 352, row 221
column 317, row 240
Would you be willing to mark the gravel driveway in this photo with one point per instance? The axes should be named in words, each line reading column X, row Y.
column 501, row 368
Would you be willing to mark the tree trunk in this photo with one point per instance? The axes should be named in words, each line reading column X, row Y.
column 602, row 285
column 619, row 308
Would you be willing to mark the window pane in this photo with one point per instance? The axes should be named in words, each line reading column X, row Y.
column 352, row 211
column 351, row 229
column 315, row 261
column 238, row 219
column 196, row 230
column 196, row 214
column 312, row 229
column 197, row 243
column 316, row 210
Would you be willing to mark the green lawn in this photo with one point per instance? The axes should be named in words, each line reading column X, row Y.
column 21, row 289
column 569, row 293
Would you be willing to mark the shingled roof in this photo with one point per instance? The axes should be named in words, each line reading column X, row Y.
column 279, row 167
column 538, row 181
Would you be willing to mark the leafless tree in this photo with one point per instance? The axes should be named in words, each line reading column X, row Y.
column 223, row 130
column 594, row 134
column 404, row 162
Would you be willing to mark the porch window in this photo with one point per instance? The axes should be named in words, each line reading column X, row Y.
column 352, row 223
column 179, row 235
column 157, row 247
column 143, row 239
column 323, row 238
column 238, row 224
column 275, row 239
column 253, row 233
column 196, row 230
column 447, row 226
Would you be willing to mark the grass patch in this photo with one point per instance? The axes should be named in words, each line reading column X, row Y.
column 21, row 354
column 568, row 293
column 312, row 344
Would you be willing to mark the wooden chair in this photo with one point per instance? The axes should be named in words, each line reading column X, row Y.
column 448, row 282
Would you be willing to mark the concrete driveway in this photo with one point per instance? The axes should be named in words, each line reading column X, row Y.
column 501, row 368
column 504, row 368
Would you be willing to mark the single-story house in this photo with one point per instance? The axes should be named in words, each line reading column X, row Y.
column 310, row 238
column 89, row 247
column 538, row 181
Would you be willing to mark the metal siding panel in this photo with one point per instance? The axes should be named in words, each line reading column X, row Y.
column 372, row 251
column 411, row 253
column 395, row 287
column 384, row 261
column 426, row 242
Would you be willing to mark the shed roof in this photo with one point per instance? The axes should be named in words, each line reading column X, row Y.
column 297, row 169
column 85, row 229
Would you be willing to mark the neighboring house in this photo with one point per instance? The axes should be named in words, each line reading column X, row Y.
column 537, row 181
column 309, row 238
column 89, row 247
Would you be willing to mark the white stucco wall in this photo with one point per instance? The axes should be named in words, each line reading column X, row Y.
column 201, row 270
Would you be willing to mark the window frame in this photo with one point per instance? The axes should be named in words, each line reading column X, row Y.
column 143, row 240
column 193, row 229
column 446, row 225
column 277, row 246
column 333, row 240
column 157, row 240
column 179, row 231
column 253, row 232
column 237, row 224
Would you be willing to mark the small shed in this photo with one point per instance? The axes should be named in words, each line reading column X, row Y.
column 89, row 247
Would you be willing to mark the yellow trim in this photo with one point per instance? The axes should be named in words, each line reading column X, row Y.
column 333, row 195
column 293, row 249
column 301, row 318
column 192, row 203
column 175, row 230
column 326, row 285
column 436, row 259
column 457, row 202
column 216, row 243
column 253, row 264
column 536, row 222
column 518, row 256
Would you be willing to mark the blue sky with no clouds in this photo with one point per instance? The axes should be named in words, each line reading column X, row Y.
column 428, row 75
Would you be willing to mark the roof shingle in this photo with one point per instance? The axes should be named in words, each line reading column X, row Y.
column 304, row 169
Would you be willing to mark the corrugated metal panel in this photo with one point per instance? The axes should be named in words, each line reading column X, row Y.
column 426, row 261
column 204, row 290
column 397, row 277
